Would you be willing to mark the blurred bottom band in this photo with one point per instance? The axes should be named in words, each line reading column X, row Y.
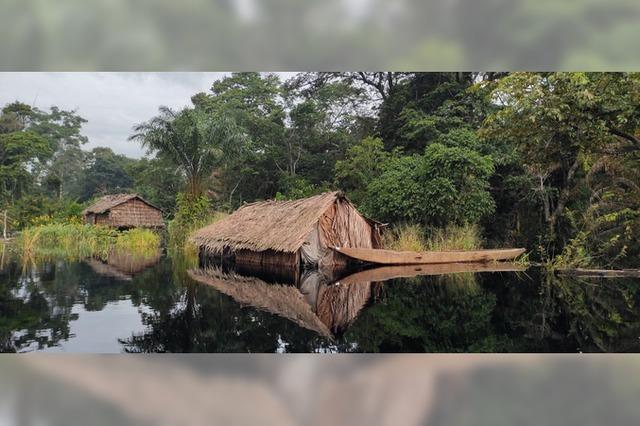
column 320, row 389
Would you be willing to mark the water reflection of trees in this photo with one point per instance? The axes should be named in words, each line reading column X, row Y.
column 545, row 313
column 600, row 314
column 36, row 303
column 448, row 313
column 201, row 319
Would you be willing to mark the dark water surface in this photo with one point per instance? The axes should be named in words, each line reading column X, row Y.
column 88, row 306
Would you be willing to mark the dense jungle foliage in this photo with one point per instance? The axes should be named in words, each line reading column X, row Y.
column 548, row 161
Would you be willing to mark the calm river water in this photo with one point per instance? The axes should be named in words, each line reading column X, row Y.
column 92, row 306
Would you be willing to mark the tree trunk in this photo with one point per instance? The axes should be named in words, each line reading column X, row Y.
column 563, row 199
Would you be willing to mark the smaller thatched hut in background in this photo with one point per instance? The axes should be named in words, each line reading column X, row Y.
column 290, row 233
column 124, row 211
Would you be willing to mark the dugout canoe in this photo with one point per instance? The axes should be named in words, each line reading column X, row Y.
column 391, row 257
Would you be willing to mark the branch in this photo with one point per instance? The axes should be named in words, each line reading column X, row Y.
column 625, row 135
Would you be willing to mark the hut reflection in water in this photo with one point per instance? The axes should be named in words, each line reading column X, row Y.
column 123, row 265
column 326, row 303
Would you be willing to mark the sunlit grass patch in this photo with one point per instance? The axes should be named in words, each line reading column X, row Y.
column 77, row 241
column 405, row 237
column 454, row 237
column 413, row 237
column 138, row 240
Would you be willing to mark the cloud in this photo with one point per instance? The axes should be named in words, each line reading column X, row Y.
column 111, row 102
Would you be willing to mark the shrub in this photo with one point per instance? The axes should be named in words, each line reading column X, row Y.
column 67, row 240
column 138, row 240
column 444, row 185
column 192, row 214
column 413, row 237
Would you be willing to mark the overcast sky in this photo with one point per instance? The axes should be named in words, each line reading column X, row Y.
column 111, row 102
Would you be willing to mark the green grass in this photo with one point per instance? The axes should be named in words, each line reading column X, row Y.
column 77, row 241
column 405, row 237
column 455, row 237
column 412, row 237
column 138, row 240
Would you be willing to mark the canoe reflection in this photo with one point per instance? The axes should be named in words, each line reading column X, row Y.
column 315, row 299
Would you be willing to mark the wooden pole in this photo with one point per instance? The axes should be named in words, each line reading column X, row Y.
column 4, row 226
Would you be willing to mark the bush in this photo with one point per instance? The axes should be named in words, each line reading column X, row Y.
column 295, row 188
column 444, row 185
column 192, row 214
column 138, row 240
column 66, row 240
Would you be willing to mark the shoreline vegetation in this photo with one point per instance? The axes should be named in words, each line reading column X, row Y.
column 545, row 161
column 77, row 241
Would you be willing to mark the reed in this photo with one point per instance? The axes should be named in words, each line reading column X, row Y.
column 454, row 237
column 138, row 240
column 405, row 237
column 77, row 241
column 413, row 237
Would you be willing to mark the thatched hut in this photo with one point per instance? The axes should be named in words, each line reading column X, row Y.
column 124, row 211
column 290, row 233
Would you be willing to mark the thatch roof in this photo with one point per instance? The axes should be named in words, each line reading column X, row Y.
column 108, row 202
column 281, row 226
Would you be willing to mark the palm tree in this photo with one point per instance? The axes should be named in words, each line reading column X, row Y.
column 196, row 141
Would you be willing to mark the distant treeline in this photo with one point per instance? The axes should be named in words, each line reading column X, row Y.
column 549, row 161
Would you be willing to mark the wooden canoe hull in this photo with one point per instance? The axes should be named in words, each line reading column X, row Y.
column 390, row 257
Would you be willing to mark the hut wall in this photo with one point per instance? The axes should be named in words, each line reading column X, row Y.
column 136, row 213
column 343, row 226
column 90, row 218
column 268, row 258
column 102, row 219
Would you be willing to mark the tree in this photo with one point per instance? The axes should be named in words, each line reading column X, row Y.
column 449, row 183
column 158, row 180
column 363, row 163
column 106, row 173
column 196, row 141
column 20, row 152
column 561, row 123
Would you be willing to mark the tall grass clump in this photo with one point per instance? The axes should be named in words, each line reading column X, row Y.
column 413, row 237
column 138, row 241
column 77, row 241
column 68, row 240
column 454, row 237
column 405, row 237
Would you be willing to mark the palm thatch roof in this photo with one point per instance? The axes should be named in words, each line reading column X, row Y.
column 281, row 226
column 108, row 202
